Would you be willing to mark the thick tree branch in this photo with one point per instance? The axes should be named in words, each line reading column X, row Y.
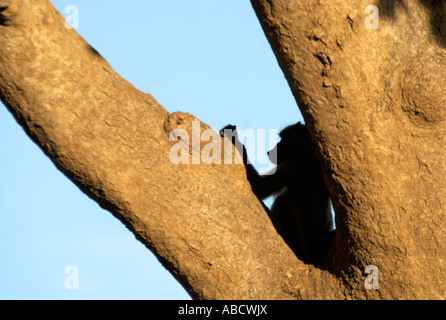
column 201, row 221
column 374, row 100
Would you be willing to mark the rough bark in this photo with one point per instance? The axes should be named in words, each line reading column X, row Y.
column 375, row 103
column 372, row 99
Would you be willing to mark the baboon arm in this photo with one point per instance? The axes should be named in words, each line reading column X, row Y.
column 272, row 182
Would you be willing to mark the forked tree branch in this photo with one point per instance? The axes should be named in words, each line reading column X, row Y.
column 372, row 99
column 201, row 221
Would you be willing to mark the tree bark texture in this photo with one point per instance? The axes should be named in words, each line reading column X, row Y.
column 373, row 101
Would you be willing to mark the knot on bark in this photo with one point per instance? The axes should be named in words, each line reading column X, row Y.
column 424, row 87
column 8, row 10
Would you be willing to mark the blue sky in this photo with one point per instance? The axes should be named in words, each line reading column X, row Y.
column 206, row 57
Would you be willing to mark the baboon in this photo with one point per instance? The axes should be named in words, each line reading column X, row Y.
column 301, row 211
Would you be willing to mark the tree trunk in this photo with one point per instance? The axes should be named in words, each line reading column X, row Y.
column 372, row 99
